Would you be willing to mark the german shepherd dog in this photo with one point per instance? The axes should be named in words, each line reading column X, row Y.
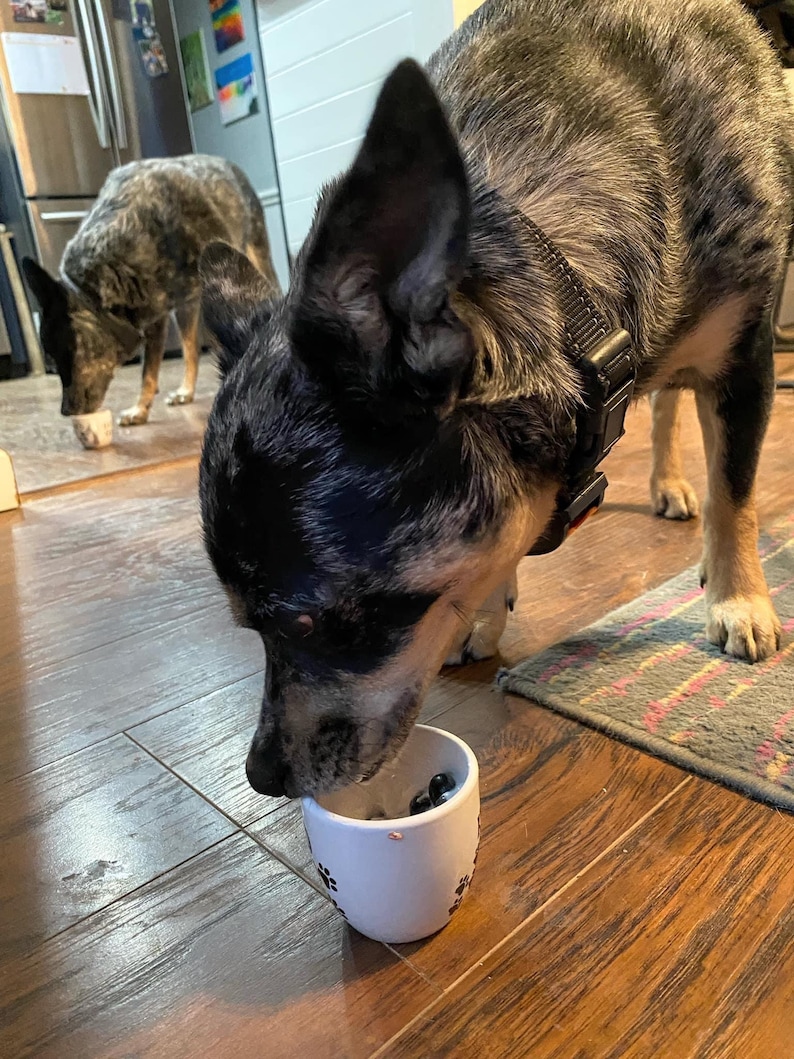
column 391, row 438
column 132, row 262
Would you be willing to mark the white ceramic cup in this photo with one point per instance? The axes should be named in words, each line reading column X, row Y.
column 95, row 429
column 401, row 878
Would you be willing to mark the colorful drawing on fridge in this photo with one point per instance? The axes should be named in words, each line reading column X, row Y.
column 236, row 84
column 197, row 75
column 227, row 23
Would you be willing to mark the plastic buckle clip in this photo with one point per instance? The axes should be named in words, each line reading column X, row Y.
column 609, row 381
column 586, row 500
column 609, row 387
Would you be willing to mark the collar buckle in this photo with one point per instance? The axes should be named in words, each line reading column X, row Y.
column 609, row 387
column 609, row 378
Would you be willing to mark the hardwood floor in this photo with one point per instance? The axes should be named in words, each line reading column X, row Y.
column 47, row 454
column 151, row 905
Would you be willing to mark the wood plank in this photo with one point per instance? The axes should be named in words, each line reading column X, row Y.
column 206, row 743
column 141, row 562
column 679, row 942
column 229, row 956
column 72, row 704
column 92, row 827
column 553, row 795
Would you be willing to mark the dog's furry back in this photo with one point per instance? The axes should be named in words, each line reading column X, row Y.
column 652, row 141
column 140, row 245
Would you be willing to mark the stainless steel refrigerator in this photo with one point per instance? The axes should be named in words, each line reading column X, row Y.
column 63, row 146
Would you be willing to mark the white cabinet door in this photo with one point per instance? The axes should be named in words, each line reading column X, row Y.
column 324, row 63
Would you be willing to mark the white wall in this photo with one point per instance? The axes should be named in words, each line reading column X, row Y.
column 324, row 63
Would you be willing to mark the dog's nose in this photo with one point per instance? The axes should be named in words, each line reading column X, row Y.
column 267, row 774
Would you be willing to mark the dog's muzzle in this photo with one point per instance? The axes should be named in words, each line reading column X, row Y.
column 267, row 772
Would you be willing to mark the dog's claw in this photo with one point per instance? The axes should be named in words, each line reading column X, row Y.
column 674, row 499
column 179, row 397
column 133, row 417
column 745, row 627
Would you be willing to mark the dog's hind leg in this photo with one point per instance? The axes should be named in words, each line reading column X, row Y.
column 671, row 494
column 153, row 351
column 480, row 638
column 187, row 319
column 734, row 411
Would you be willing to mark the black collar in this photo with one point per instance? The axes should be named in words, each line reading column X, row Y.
column 602, row 355
column 128, row 336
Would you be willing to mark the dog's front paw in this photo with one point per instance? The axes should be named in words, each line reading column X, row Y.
column 674, row 498
column 477, row 643
column 481, row 639
column 134, row 417
column 744, row 626
column 180, row 396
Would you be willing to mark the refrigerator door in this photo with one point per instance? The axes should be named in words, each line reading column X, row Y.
column 54, row 222
column 144, row 81
column 62, row 143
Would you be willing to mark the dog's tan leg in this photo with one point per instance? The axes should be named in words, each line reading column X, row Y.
column 740, row 617
column 480, row 638
column 187, row 319
column 154, row 348
column 671, row 494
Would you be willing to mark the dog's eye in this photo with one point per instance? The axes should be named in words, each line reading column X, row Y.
column 294, row 624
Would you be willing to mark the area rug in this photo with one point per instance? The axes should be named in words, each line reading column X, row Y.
column 647, row 676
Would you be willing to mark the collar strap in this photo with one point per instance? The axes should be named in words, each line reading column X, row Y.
column 128, row 336
column 602, row 355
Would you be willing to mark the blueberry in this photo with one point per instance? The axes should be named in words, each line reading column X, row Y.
column 439, row 785
column 420, row 803
column 443, row 798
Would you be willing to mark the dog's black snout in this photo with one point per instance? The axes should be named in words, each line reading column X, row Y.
column 266, row 773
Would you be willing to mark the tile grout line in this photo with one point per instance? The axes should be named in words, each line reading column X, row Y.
column 177, row 621
column 124, row 731
column 181, row 779
column 190, row 702
column 425, row 1012
column 136, row 889
column 242, row 828
column 281, row 858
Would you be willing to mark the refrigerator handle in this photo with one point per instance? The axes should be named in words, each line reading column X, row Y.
column 64, row 215
column 116, row 98
column 96, row 98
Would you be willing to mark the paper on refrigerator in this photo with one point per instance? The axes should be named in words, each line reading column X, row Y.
column 45, row 64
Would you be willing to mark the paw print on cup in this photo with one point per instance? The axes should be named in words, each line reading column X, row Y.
column 330, row 884
column 460, row 890
column 325, row 875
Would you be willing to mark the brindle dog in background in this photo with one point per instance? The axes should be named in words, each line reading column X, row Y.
column 391, row 438
column 132, row 262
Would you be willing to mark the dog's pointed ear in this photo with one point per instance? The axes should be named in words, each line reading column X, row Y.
column 55, row 328
column 235, row 301
column 49, row 293
column 389, row 244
